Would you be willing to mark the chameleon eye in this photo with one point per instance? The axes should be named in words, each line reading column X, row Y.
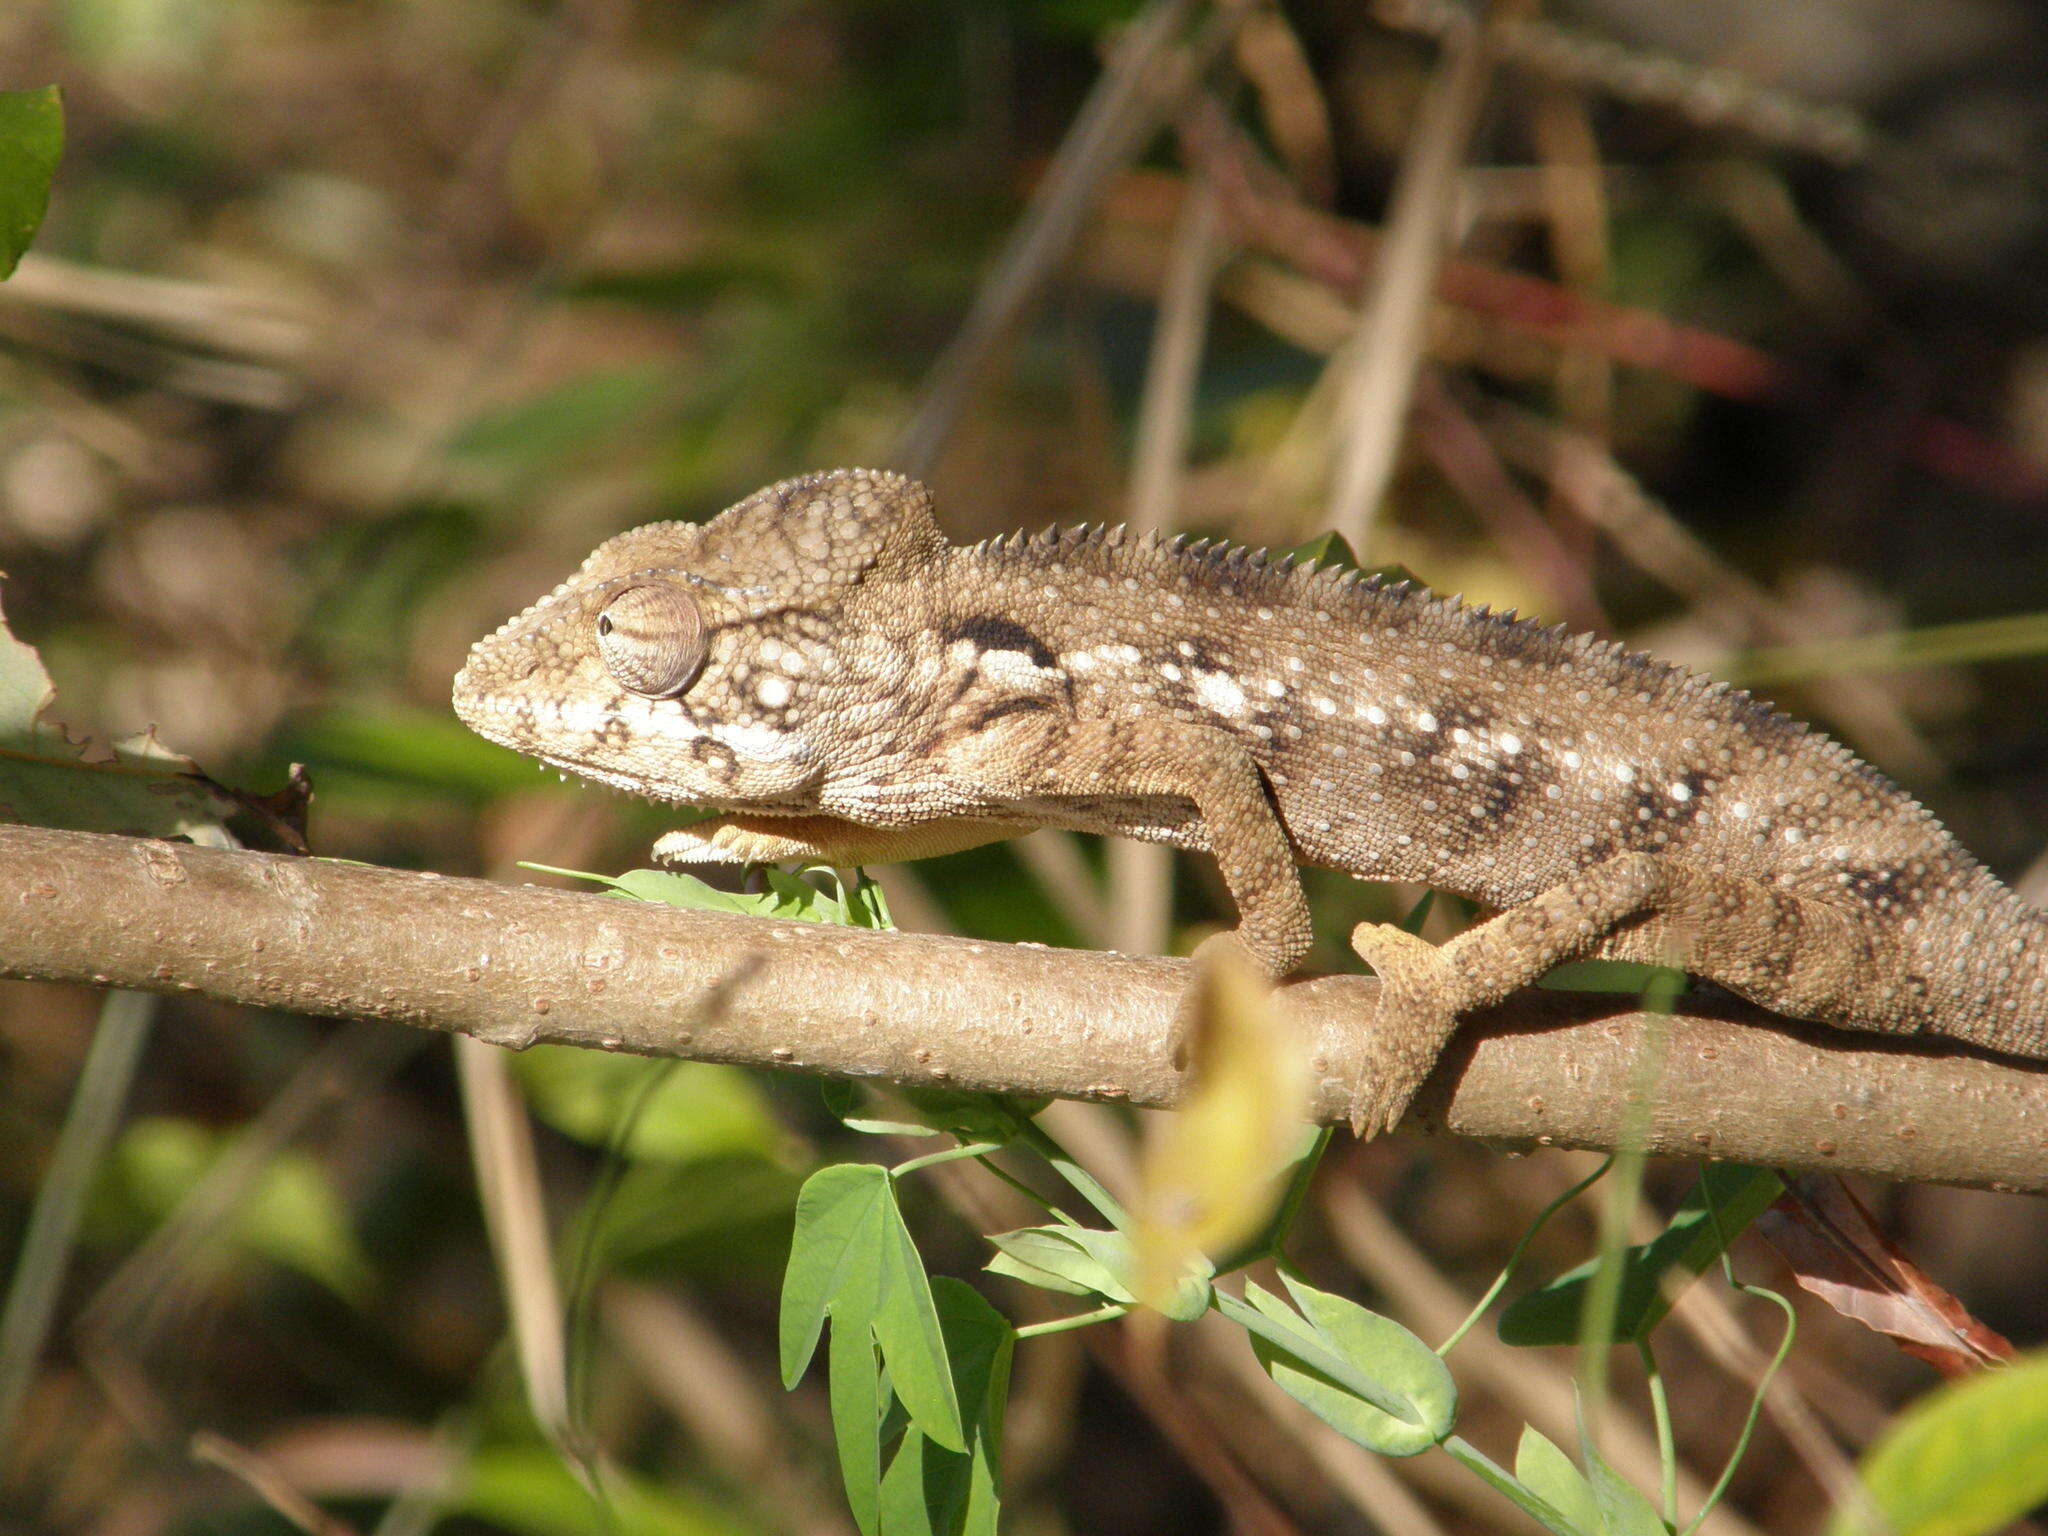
column 652, row 639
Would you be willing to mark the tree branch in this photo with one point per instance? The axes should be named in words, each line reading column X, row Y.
column 517, row 965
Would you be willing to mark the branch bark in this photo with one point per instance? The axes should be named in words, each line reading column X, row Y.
column 518, row 965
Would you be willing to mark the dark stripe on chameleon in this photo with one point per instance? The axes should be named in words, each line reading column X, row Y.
column 991, row 632
column 1002, row 707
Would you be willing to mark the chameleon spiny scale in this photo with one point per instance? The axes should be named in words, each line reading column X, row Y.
column 857, row 690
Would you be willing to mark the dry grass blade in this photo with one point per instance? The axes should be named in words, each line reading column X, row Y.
column 1377, row 368
column 1151, row 73
column 1704, row 98
column 212, row 315
column 269, row 1485
column 81, row 1148
column 1055, row 861
column 1141, row 874
column 152, row 1284
column 508, row 1183
column 1597, row 488
column 717, row 1398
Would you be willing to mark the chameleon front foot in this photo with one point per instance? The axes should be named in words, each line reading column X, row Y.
column 1417, row 1016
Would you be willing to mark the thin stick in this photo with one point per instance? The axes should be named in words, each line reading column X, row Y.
column 1141, row 874
column 1378, row 366
column 1143, row 84
column 89, row 1127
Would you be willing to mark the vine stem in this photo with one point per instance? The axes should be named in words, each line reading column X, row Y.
column 1106, row 1313
column 1660, row 1413
column 1521, row 1248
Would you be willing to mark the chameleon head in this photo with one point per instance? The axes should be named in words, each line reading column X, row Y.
column 698, row 663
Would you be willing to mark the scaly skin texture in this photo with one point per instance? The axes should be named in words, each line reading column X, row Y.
column 819, row 666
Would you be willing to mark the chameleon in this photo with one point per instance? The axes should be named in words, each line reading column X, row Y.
column 830, row 677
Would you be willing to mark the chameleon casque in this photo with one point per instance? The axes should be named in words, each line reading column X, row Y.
column 819, row 666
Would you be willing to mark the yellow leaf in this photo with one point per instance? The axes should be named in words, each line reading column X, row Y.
column 1212, row 1170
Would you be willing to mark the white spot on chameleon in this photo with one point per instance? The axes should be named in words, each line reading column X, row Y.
column 1374, row 714
column 1276, row 688
column 772, row 691
column 1220, row 692
column 1009, row 667
column 1681, row 792
column 1425, row 721
column 1326, row 706
column 763, row 743
column 1170, row 672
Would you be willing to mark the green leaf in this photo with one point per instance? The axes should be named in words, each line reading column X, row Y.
column 725, row 1217
column 679, row 890
column 670, row 1111
column 1550, row 1313
column 1628, row 978
column 835, row 1241
column 1406, row 1370
column 844, row 1101
column 930, row 1491
column 1549, row 1474
column 1079, row 1261
column 854, row 1386
column 566, row 421
column 31, row 143
column 907, row 1327
column 1967, row 1459
column 1086, row 1261
column 970, row 1116
column 933, row 1111
column 1329, row 548
column 1623, row 1511
column 789, row 896
column 852, row 1258
column 291, row 1215
column 528, row 1491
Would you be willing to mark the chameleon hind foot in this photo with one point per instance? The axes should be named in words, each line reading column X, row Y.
column 1417, row 1015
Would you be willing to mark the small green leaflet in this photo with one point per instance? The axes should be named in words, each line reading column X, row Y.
column 1966, row 1460
column 858, row 905
column 1407, row 1374
column 1548, row 1473
column 852, row 1260
column 31, row 143
column 1550, row 1313
column 934, row 1111
column 1623, row 1511
column 527, row 1490
column 929, row 1490
column 1084, row 1261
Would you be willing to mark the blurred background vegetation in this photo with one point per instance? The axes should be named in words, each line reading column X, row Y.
column 356, row 323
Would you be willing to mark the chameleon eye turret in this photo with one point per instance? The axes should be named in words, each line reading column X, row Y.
column 652, row 639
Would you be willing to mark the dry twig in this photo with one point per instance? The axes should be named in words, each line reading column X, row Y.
column 517, row 965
